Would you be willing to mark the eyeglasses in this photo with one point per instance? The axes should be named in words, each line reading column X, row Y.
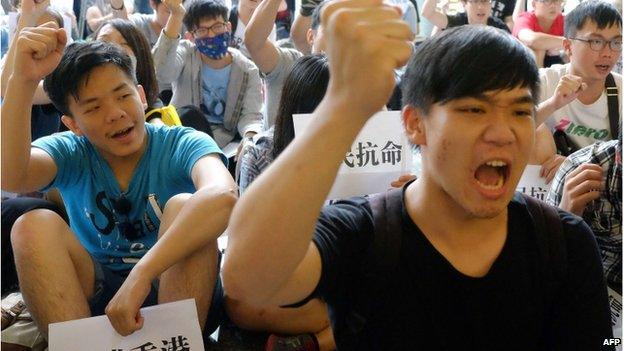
column 551, row 2
column 480, row 2
column 216, row 29
column 122, row 207
column 599, row 44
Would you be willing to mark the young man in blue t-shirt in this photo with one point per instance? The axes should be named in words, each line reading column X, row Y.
column 136, row 195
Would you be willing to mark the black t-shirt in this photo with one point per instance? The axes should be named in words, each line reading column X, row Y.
column 502, row 8
column 461, row 19
column 429, row 305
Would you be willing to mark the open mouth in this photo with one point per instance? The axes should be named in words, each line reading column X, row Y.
column 492, row 174
column 603, row 68
column 122, row 133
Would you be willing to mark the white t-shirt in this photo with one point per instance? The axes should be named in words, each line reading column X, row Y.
column 239, row 37
column 584, row 124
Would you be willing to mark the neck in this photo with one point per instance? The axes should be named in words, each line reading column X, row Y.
column 123, row 166
column 545, row 23
column 216, row 64
column 441, row 219
column 594, row 90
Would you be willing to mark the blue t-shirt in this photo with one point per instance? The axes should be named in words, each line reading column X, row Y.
column 90, row 190
column 214, row 92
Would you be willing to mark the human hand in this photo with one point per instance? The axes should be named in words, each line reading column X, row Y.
column 31, row 11
column 550, row 167
column 582, row 186
column 365, row 41
column 123, row 309
column 176, row 7
column 38, row 52
column 568, row 90
column 399, row 182
column 308, row 6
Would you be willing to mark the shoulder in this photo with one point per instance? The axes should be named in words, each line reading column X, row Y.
column 552, row 73
column 240, row 60
column 498, row 23
column 618, row 79
column 345, row 218
column 65, row 140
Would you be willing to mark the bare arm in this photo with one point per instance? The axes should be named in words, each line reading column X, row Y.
column 119, row 9
column 299, row 33
column 31, row 12
column 518, row 10
column 430, row 12
column 567, row 90
column 540, row 41
column 37, row 52
column 190, row 230
column 95, row 18
column 270, row 258
column 263, row 52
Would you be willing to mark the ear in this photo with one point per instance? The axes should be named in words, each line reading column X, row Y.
column 567, row 44
column 229, row 26
column 142, row 95
column 71, row 124
column 413, row 120
column 188, row 36
column 310, row 36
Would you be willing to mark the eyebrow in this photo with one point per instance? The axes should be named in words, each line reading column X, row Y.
column 524, row 99
column 602, row 36
column 94, row 99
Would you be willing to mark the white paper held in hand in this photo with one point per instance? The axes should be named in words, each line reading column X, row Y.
column 170, row 326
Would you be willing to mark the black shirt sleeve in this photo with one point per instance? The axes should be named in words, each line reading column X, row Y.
column 457, row 20
column 497, row 23
column 581, row 317
column 342, row 233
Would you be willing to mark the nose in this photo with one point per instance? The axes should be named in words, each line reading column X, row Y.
column 499, row 130
column 114, row 112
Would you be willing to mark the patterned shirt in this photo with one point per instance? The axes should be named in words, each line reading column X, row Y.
column 604, row 215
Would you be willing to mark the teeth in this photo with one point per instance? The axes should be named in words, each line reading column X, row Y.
column 496, row 163
column 498, row 185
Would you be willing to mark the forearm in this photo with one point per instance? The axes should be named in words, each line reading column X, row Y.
column 15, row 125
column 174, row 25
column 94, row 23
column 299, row 31
column 518, row 10
column 545, row 110
column 266, row 244
column 261, row 24
column 191, row 230
column 431, row 13
column 540, row 41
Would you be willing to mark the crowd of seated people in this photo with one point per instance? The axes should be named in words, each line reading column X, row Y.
column 132, row 210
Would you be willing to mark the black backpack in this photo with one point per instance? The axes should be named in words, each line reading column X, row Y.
column 383, row 255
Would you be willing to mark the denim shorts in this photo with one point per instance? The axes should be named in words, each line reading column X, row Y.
column 107, row 282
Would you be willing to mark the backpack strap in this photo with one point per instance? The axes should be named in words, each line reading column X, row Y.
column 613, row 105
column 551, row 241
column 380, row 260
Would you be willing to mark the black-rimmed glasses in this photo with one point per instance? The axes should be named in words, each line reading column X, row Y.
column 216, row 29
column 122, row 207
column 599, row 44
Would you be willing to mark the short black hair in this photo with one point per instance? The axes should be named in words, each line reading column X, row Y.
column 79, row 59
column 316, row 15
column 303, row 90
column 198, row 10
column 602, row 13
column 467, row 61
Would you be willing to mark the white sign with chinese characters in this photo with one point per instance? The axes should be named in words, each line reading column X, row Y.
column 532, row 184
column 171, row 326
column 379, row 155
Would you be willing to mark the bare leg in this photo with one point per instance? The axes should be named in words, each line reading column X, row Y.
column 193, row 277
column 56, row 273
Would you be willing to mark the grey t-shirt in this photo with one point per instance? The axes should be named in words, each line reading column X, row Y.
column 275, row 81
column 142, row 22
